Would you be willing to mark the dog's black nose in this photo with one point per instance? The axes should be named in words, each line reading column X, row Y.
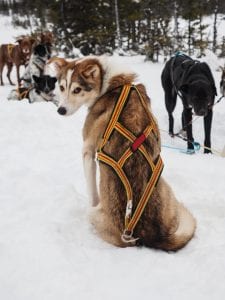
column 61, row 110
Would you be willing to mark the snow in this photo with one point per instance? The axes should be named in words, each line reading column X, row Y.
column 48, row 249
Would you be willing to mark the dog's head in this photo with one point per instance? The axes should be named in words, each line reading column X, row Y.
column 42, row 51
column 45, row 84
column 47, row 38
column 199, row 95
column 25, row 44
column 80, row 84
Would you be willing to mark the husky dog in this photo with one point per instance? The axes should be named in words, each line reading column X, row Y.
column 40, row 55
column 96, row 82
column 43, row 90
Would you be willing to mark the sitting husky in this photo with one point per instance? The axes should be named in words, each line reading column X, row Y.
column 42, row 90
column 121, row 129
column 40, row 55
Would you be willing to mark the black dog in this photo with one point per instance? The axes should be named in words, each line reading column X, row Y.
column 193, row 82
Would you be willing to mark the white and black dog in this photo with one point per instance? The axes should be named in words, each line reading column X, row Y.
column 41, row 53
column 42, row 90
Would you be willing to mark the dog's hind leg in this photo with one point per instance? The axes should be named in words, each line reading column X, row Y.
column 105, row 228
column 207, row 128
column 9, row 66
column 18, row 74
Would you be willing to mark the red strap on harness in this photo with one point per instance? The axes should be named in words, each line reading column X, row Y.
column 137, row 143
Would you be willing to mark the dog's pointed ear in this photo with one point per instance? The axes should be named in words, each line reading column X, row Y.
column 55, row 65
column 184, row 88
column 35, row 78
column 91, row 71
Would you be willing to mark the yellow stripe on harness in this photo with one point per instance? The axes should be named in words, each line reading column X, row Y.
column 10, row 49
column 131, row 220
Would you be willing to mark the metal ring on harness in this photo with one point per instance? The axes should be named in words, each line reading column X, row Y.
column 127, row 236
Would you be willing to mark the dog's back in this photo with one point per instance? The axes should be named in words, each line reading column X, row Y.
column 159, row 218
column 181, row 70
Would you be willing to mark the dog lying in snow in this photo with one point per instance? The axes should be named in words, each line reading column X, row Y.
column 42, row 90
column 97, row 83
column 41, row 53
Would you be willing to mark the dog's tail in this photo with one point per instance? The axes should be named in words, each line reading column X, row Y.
column 183, row 234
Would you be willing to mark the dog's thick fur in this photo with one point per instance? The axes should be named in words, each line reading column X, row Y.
column 41, row 53
column 17, row 55
column 195, row 83
column 96, row 83
column 54, row 66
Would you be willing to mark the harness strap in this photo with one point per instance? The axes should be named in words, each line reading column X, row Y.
column 115, row 165
column 10, row 49
column 145, row 197
column 23, row 94
column 137, row 144
column 116, row 113
column 126, row 133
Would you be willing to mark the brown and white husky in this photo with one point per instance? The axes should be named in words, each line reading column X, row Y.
column 96, row 82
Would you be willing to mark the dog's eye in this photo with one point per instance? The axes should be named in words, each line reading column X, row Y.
column 77, row 90
column 61, row 88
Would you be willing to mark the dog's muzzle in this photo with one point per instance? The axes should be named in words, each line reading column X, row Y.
column 62, row 110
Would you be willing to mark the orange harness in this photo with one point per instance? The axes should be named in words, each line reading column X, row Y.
column 131, row 219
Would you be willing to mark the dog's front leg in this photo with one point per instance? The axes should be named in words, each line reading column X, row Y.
column 207, row 127
column 18, row 74
column 187, row 113
column 90, row 172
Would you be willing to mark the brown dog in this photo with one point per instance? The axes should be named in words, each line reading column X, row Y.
column 97, row 83
column 47, row 37
column 17, row 55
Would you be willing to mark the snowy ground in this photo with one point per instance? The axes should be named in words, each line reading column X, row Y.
column 48, row 250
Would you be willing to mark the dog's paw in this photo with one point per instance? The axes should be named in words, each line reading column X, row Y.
column 188, row 151
column 207, row 151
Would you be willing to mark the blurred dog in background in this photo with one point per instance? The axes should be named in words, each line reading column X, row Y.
column 11, row 54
